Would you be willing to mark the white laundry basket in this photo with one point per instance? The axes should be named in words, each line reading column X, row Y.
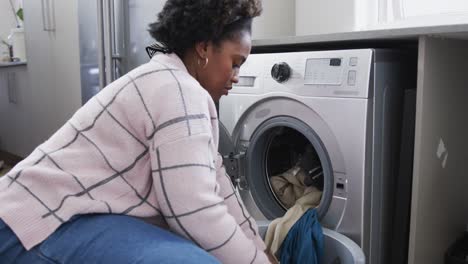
column 338, row 249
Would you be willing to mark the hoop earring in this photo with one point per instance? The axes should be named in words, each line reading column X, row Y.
column 204, row 65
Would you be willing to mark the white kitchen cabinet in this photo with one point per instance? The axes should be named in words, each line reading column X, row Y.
column 14, row 95
column 439, row 211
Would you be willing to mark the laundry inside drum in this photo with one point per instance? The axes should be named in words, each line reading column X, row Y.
column 294, row 170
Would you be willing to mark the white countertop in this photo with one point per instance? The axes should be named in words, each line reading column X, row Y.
column 448, row 31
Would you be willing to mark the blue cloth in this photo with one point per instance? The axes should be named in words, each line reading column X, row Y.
column 304, row 242
column 103, row 239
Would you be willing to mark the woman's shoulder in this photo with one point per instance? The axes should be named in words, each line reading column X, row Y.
column 164, row 79
column 168, row 86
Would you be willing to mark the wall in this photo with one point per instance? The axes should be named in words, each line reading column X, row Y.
column 416, row 13
column 317, row 16
column 49, row 91
column 276, row 20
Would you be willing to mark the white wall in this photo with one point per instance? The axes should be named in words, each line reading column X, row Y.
column 431, row 7
column 417, row 13
column 282, row 18
column 276, row 20
column 324, row 16
column 49, row 91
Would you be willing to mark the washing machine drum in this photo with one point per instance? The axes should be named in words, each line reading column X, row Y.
column 285, row 163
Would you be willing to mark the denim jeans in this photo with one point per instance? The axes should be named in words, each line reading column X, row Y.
column 101, row 238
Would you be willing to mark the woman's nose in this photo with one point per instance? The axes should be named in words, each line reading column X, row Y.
column 235, row 76
column 235, row 79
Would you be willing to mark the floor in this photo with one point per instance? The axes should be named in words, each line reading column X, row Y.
column 9, row 160
column 4, row 169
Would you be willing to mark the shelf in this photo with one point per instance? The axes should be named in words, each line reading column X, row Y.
column 12, row 64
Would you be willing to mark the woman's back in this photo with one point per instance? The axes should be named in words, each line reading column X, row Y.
column 99, row 161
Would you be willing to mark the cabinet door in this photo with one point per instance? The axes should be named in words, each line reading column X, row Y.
column 14, row 100
column 52, row 68
column 66, row 60
column 439, row 212
column 40, row 65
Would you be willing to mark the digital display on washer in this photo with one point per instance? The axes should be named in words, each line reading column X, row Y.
column 246, row 81
column 324, row 71
column 335, row 62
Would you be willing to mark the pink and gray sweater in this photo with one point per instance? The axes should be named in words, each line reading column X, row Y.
column 145, row 146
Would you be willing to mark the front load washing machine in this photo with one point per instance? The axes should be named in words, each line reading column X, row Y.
column 336, row 113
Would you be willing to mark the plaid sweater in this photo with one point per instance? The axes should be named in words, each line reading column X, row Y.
column 145, row 146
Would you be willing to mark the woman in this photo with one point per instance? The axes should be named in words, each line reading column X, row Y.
column 142, row 150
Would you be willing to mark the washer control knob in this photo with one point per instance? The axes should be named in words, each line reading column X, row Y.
column 281, row 72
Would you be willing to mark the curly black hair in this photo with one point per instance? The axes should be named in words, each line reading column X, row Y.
column 182, row 23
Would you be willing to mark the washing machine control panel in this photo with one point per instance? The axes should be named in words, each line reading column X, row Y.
column 335, row 73
column 327, row 71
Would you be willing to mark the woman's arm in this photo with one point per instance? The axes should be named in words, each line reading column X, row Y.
column 236, row 206
column 186, row 188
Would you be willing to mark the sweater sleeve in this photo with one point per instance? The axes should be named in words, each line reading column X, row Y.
column 235, row 205
column 185, row 182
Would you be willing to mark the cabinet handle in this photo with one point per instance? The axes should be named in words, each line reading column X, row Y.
column 108, row 41
column 115, row 55
column 101, row 44
column 48, row 15
column 109, row 56
column 44, row 26
column 11, row 84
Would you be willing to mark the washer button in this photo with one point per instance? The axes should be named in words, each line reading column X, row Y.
column 352, row 78
column 353, row 61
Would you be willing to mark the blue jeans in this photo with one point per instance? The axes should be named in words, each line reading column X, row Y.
column 102, row 238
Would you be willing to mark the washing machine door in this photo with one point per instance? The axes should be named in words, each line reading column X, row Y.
column 271, row 138
column 231, row 158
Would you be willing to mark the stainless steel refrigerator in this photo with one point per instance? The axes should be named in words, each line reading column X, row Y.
column 113, row 35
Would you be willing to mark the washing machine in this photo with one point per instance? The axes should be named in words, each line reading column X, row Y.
column 337, row 111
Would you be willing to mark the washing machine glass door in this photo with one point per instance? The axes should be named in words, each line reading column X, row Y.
column 286, row 163
column 278, row 142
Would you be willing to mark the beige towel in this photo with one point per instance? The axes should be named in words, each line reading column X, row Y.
column 289, row 186
column 290, row 190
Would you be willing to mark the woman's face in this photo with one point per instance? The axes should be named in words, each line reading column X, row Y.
column 223, row 65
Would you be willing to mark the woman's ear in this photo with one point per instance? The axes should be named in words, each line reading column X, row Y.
column 201, row 49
